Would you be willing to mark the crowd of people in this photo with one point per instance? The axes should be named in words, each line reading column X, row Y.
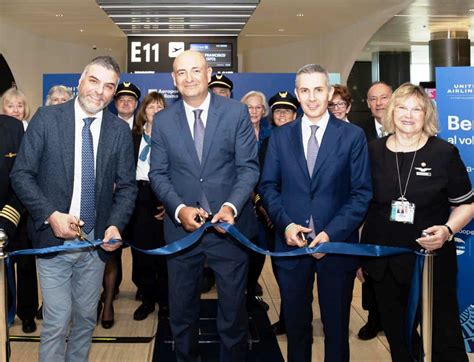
column 155, row 172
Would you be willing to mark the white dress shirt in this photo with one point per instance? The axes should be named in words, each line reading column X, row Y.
column 306, row 130
column 190, row 118
column 129, row 121
column 379, row 128
column 79, row 114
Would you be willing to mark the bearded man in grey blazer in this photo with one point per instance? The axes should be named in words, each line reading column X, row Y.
column 74, row 170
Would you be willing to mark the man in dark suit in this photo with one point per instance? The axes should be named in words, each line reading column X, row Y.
column 203, row 162
column 75, row 171
column 378, row 96
column 316, row 180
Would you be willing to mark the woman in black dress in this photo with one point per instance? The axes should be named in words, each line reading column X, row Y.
column 150, row 272
column 420, row 185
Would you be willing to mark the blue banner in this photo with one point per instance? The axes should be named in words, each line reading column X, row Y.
column 455, row 100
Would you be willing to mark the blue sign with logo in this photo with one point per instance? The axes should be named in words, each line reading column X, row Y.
column 455, row 100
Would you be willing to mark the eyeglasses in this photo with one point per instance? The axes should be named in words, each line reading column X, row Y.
column 283, row 112
column 334, row 105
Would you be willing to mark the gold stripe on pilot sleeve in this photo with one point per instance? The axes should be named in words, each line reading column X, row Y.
column 12, row 210
column 8, row 217
column 10, row 155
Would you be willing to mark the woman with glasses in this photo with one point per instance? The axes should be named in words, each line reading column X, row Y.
column 340, row 104
column 422, row 196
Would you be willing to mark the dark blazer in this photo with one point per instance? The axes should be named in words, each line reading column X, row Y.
column 368, row 126
column 43, row 174
column 12, row 133
column 229, row 169
column 338, row 193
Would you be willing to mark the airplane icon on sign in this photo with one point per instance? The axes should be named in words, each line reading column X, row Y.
column 175, row 48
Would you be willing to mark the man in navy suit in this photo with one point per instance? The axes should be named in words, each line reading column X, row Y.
column 203, row 162
column 75, row 169
column 316, row 181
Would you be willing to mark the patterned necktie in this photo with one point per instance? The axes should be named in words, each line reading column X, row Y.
column 144, row 154
column 382, row 132
column 198, row 133
column 313, row 148
column 88, row 178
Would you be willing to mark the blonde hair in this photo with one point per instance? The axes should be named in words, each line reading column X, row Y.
column 405, row 91
column 12, row 93
column 256, row 94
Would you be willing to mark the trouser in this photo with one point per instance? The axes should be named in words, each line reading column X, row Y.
column 70, row 284
column 230, row 263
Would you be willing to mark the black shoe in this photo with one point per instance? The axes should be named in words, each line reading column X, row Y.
column 279, row 328
column 143, row 311
column 258, row 290
column 163, row 311
column 257, row 302
column 28, row 325
column 369, row 331
column 139, row 295
column 39, row 313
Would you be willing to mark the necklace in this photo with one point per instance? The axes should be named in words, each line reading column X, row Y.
column 403, row 193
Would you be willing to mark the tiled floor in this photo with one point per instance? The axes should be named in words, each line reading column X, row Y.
column 361, row 351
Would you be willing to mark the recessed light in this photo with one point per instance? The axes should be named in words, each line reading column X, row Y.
column 59, row 15
column 281, row 30
column 81, row 30
column 300, row 15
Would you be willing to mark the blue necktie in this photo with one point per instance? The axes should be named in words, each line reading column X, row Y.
column 146, row 149
column 87, row 178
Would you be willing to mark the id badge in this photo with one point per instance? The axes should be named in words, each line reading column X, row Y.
column 402, row 211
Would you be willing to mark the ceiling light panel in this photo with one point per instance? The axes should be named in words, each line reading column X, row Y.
column 195, row 15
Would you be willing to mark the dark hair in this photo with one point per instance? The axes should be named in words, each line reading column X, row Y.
column 343, row 92
column 105, row 61
column 152, row 97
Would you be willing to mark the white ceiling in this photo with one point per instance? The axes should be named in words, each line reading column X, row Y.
column 84, row 22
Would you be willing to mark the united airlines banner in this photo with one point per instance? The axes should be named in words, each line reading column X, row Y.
column 455, row 100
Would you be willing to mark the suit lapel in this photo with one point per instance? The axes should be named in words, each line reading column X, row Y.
column 211, row 126
column 65, row 123
column 296, row 145
column 187, row 138
column 104, row 149
column 329, row 143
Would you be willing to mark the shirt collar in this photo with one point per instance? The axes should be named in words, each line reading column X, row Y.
column 80, row 114
column 322, row 123
column 204, row 105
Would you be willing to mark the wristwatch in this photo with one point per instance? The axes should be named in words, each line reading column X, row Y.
column 451, row 234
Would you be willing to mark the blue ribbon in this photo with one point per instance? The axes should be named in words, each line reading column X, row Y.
column 371, row 250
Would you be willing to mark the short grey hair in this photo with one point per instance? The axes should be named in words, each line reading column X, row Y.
column 105, row 61
column 254, row 93
column 310, row 69
column 61, row 89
